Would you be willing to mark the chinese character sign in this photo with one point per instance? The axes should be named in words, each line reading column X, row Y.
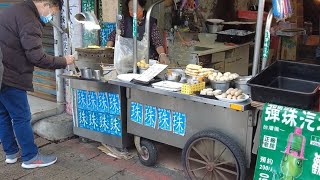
column 158, row 118
column 136, row 112
column 179, row 123
column 165, row 121
column 115, row 125
column 289, row 146
column 114, row 103
column 99, row 111
column 150, row 118
column 82, row 99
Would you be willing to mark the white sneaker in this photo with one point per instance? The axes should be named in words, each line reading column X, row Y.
column 11, row 159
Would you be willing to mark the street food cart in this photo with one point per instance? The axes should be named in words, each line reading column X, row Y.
column 214, row 135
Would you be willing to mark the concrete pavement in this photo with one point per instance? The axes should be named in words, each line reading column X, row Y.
column 38, row 105
column 77, row 160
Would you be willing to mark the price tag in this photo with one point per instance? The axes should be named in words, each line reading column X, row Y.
column 236, row 107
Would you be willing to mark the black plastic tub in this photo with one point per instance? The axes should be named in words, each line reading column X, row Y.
column 235, row 36
column 287, row 83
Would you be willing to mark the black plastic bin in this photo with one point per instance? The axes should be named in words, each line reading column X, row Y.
column 235, row 36
column 287, row 83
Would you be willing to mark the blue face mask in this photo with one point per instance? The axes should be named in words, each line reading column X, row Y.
column 46, row 19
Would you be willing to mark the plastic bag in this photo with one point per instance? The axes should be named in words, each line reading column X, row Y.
column 282, row 9
column 123, row 53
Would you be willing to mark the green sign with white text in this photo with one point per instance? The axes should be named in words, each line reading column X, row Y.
column 289, row 146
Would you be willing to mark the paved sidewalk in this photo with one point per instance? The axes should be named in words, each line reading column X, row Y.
column 38, row 105
column 84, row 161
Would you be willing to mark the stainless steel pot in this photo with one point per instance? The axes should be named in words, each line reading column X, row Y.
column 214, row 25
column 97, row 74
column 142, row 70
column 86, row 73
column 223, row 86
column 213, row 28
column 173, row 76
column 241, row 83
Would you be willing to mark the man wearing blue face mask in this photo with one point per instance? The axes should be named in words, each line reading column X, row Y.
column 21, row 44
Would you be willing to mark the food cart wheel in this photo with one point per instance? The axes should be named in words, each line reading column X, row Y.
column 150, row 153
column 211, row 155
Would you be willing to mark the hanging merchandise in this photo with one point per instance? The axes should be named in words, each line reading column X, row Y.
column 282, row 9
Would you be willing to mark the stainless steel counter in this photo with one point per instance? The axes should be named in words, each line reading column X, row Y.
column 215, row 48
column 236, row 106
column 173, row 118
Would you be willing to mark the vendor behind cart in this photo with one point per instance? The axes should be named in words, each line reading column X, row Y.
column 157, row 51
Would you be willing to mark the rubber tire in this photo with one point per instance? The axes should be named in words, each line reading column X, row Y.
column 228, row 142
column 153, row 153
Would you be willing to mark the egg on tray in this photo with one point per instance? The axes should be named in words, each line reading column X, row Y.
column 234, row 94
column 210, row 92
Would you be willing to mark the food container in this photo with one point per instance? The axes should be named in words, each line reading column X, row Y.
column 223, row 86
column 214, row 25
column 142, row 70
column 241, row 83
column 86, row 73
column 191, row 88
column 97, row 74
column 173, row 76
column 239, row 25
column 214, row 28
column 107, row 69
column 207, row 38
column 287, row 83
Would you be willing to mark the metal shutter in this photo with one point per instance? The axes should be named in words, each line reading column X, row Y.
column 44, row 81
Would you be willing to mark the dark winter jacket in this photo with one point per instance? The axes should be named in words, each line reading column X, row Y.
column 21, row 45
column 1, row 68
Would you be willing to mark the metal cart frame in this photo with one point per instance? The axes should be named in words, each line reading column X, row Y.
column 229, row 124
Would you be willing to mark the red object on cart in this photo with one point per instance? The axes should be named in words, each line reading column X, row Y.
column 251, row 15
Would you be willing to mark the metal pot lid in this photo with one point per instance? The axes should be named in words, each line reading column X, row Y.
column 215, row 21
column 238, row 23
column 243, row 78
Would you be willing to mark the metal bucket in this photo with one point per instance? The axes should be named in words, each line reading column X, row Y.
column 214, row 28
column 86, row 73
column 97, row 74
column 214, row 25
column 142, row 70
column 223, row 86
column 241, row 83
